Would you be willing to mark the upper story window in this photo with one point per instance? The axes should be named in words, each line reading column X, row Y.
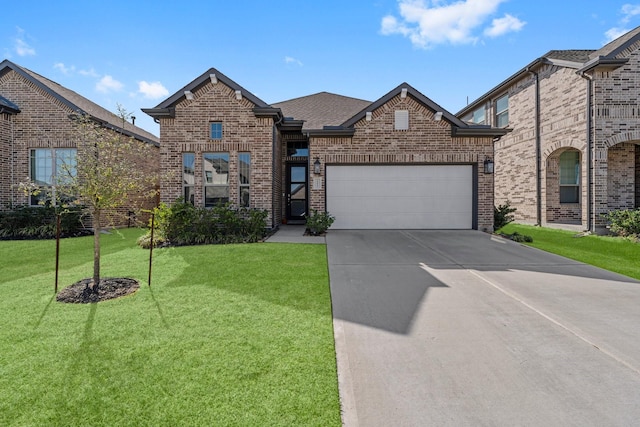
column 215, row 130
column 570, row 177
column 502, row 111
column 51, row 167
column 479, row 116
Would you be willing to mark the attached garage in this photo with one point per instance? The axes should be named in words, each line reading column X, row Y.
column 400, row 196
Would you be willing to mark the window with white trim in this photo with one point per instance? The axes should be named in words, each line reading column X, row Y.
column 502, row 111
column 570, row 177
column 188, row 177
column 215, row 167
column 244, row 179
column 49, row 167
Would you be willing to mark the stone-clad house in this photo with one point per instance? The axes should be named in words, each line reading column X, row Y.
column 401, row 161
column 36, row 130
column 574, row 151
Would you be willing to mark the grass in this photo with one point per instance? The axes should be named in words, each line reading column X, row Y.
column 611, row 253
column 230, row 335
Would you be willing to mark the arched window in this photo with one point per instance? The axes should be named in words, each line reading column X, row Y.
column 570, row 177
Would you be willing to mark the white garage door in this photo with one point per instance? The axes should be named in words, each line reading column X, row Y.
column 400, row 197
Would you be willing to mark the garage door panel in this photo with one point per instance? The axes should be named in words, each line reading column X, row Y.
column 395, row 197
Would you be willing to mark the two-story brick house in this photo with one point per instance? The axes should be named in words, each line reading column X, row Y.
column 399, row 162
column 573, row 153
column 37, row 130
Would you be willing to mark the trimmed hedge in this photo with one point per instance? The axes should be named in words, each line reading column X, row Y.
column 183, row 224
column 39, row 222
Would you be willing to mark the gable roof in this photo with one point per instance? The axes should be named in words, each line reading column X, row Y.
column 614, row 54
column 7, row 106
column 321, row 109
column 167, row 107
column 78, row 103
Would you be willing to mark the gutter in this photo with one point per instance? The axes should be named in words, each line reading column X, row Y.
column 538, row 151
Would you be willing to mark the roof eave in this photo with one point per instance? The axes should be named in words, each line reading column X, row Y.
column 158, row 113
column 602, row 61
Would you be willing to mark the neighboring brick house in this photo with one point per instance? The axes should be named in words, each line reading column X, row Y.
column 573, row 153
column 36, row 129
column 399, row 162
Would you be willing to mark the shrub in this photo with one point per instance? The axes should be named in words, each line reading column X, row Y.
column 183, row 224
column 502, row 215
column 625, row 222
column 39, row 222
column 319, row 222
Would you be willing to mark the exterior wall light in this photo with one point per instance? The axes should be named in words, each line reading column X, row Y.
column 316, row 166
column 488, row 165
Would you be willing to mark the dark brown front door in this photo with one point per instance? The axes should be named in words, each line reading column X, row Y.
column 296, row 191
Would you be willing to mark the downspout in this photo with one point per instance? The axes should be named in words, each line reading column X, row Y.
column 538, row 151
column 12, row 157
column 590, row 170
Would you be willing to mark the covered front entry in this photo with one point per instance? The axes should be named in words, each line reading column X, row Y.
column 400, row 196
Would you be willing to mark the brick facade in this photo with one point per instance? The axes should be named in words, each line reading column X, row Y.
column 250, row 125
column 43, row 122
column 242, row 132
column 569, row 120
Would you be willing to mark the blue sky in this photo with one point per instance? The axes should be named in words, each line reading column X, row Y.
column 139, row 53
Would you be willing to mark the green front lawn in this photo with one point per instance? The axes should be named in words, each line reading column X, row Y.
column 227, row 335
column 611, row 253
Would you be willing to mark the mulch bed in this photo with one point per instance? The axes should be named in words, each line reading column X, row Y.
column 108, row 288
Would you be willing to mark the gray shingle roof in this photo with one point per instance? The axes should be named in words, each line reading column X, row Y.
column 579, row 55
column 321, row 109
column 77, row 102
column 616, row 46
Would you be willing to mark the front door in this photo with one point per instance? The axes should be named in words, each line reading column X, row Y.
column 296, row 191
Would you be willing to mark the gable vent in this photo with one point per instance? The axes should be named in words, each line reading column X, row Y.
column 402, row 120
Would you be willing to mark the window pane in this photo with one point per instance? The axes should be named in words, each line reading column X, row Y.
column 298, row 207
column 188, row 169
column 245, row 197
column 479, row 116
column 570, row 168
column 216, row 130
column 569, row 194
column 189, row 195
column 41, row 166
column 244, row 168
column 298, row 191
column 216, row 168
column 297, row 149
column 502, row 104
column 65, row 164
column 214, row 196
column 298, row 174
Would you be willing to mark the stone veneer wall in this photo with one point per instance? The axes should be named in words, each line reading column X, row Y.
column 426, row 142
column 242, row 131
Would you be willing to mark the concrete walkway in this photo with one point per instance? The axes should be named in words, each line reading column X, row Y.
column 294, row 234
column 461, row 328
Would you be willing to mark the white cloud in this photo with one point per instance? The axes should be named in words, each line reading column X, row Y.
column 428, row 23
column 629, row 11
column 504, row 25
column 63, row 68
column 290, row 60
column 108, row 84
column 88, row 73
column 21, row 47
column 153, row 90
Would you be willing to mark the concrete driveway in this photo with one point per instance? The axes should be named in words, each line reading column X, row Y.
column 463, row 328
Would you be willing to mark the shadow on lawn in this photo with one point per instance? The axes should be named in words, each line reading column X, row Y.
column 44, row 312
column 159, row 308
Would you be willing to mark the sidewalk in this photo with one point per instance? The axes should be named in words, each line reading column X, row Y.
column 294, row 234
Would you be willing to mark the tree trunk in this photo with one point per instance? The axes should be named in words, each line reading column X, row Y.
column 96, row 252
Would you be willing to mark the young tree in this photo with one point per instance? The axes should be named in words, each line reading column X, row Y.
column 111, row 171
